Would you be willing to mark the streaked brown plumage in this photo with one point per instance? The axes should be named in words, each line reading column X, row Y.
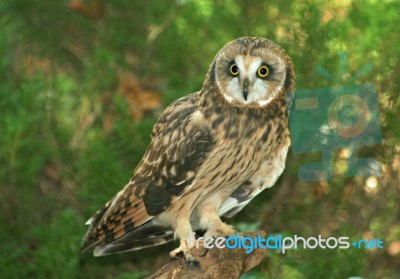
column 210, row 153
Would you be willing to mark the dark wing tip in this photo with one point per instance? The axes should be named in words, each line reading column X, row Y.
column 91, row 239
column 149, row 234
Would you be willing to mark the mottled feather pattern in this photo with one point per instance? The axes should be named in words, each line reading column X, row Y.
column 265, row 177
column 211, row 152
column 178, row 146
column 182, row 144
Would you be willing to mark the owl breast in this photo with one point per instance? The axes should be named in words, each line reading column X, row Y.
column 242, row 145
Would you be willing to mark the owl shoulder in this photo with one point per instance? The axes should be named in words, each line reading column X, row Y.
column 182, row 114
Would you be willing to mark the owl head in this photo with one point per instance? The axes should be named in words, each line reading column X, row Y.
column 252, row 72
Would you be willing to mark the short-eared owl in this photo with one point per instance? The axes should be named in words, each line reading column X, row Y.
column 210, row 153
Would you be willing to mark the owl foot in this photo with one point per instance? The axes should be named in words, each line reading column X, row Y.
column 185, row 250
column 201, row 245
column 220, row 229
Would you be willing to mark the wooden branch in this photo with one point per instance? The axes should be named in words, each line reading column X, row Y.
column 214, row 263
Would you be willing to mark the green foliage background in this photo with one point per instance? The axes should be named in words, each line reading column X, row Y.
column 59, row 65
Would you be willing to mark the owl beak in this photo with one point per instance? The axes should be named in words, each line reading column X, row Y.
column 245, row 89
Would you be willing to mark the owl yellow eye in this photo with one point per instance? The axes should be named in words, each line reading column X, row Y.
column 234, row 70
column 263, row 71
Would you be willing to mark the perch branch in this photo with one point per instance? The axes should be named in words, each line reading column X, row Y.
column 213, row 263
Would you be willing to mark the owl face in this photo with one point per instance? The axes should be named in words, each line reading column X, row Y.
column 252, row 72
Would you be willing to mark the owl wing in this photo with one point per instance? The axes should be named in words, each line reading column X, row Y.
column 181, row 141
column 264, row 177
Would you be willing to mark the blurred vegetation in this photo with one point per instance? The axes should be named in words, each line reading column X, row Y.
column 82, row 83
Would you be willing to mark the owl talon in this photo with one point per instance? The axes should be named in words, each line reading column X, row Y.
column 185, row 250
column 205, row 252
column 192, row 262
column 174, row 253
column 200, row 244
